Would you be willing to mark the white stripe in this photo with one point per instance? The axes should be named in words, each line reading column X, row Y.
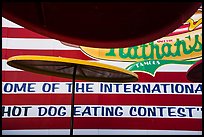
column 181, row 29
column 174, row 68
column 9, row 24
column 196, row 17
column 99, row 132
column 35, row 44
column 119, row 111
column 101, row 88
column 6, row 67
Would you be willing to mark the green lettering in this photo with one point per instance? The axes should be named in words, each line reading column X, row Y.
column 111, row 52
column 144, row 52
column 158, row 52
column 183, row 43
column 197, row 42
column 168, row 53
column 156, row 47
column 147, row 62
column 122, row 54
column 134, row 55
column 177, row 44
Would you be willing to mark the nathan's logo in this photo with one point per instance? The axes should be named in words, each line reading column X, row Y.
column 195, row 20
column 193, row 24
column 151, row 66
column 147, row 58
column 183, row 46
column 178, row 47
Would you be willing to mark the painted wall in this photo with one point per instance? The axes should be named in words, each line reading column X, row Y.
column 163, row 101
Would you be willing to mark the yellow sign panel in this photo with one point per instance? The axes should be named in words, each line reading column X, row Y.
column 177, row 47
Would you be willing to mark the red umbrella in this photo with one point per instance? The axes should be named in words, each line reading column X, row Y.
column 101, row 24
column 194, row 73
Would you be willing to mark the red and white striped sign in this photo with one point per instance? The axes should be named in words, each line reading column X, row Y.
column 38, row 104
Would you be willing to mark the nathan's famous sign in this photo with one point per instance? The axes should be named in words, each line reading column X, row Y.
column 183, row 46
column 179, row 47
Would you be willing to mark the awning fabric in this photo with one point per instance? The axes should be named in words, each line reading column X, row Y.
column 100, row 24
column 194, row 73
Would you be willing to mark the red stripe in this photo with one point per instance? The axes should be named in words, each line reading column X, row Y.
column 163, row 77
column 101, row 99
column 21, row 76
column 20, row 33
column 4, row 32
column 184, row 26
column 103, row 123
column 78, row 54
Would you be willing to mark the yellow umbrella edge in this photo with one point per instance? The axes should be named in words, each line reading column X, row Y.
column 11, row 62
